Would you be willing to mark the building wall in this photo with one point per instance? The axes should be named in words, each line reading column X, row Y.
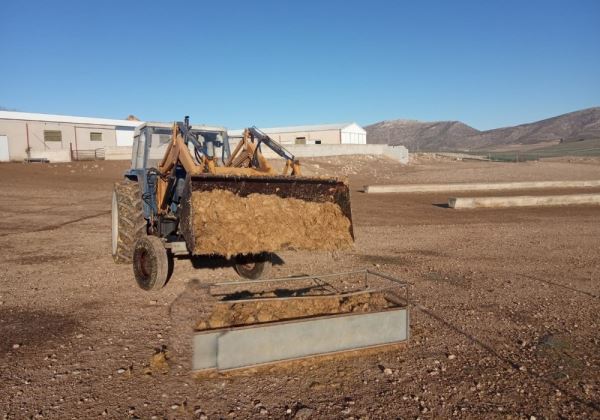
column 353, row 134
column 124, row 136
column 326, row 136
column 349, row 137
column 76, row 134
column 84, row 141
column 399, row 153
column 15, row 131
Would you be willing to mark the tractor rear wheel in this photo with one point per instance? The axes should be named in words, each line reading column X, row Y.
column 152, row 266
column 128, row 221
column 253, row 266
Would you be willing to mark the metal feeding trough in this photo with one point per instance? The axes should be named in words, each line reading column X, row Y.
column 296, row 317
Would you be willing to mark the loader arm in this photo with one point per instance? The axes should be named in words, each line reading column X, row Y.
column 245, row 160
column 290, row 161
column 178, row 152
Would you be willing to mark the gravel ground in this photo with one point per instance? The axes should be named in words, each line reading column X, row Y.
column 504, row 322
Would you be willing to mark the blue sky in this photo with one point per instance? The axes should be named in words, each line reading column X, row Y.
column 269, row 63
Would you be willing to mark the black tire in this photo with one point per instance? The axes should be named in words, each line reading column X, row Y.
column 151, row 263
column 128, row 222
column 253, row 266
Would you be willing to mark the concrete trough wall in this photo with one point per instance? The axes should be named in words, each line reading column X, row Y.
column 290, row 340
column 399, row 153
column 494, row 186
column 523, row 201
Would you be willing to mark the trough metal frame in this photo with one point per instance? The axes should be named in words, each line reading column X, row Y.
column 231, row 348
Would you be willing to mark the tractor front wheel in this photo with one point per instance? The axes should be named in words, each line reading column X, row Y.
column 253, row 266
column 152, row 266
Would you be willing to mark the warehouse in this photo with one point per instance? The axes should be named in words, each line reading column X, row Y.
column 346, row 133
column 60, row 138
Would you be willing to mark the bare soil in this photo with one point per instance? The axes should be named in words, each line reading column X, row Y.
column 265, row 309
column 504, row 315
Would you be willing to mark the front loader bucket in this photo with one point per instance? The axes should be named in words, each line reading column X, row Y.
column 234, row 214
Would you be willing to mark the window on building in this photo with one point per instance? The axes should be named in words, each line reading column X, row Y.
column 96, row 136
column 52, row 135
column 300, row 140
column 164, row 139
column 317, row 141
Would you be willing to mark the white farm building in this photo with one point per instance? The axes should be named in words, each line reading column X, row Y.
column 345, row 133
column 25, row 135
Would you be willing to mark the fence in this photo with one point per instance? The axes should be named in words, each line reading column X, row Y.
column 579, row 148
column 90, row 154
column 536, row 155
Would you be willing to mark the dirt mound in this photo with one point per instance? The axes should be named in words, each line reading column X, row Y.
column 229, row 314
column 227, row 224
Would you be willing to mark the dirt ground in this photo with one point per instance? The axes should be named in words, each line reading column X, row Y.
column 504, row 321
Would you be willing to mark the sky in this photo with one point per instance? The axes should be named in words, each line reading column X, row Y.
column 273, row 63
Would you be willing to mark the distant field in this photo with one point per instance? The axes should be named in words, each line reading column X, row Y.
column 589, row 147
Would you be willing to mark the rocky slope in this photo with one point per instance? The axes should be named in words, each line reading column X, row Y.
column 454, row 135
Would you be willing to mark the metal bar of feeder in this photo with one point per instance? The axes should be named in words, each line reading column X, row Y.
column 281, row 279
column 403, row 284
column 387, row 276
column 389, row 289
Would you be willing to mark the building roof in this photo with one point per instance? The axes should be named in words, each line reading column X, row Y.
column 201, row 127
column 295, row 128
column 28, row 116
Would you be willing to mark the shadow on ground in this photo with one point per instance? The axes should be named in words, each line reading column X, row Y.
column 32, row 328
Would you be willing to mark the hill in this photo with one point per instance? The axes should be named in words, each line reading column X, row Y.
column 418, row 135
column 454, row 135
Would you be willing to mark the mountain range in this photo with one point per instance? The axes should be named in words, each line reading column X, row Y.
column 455, row 135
